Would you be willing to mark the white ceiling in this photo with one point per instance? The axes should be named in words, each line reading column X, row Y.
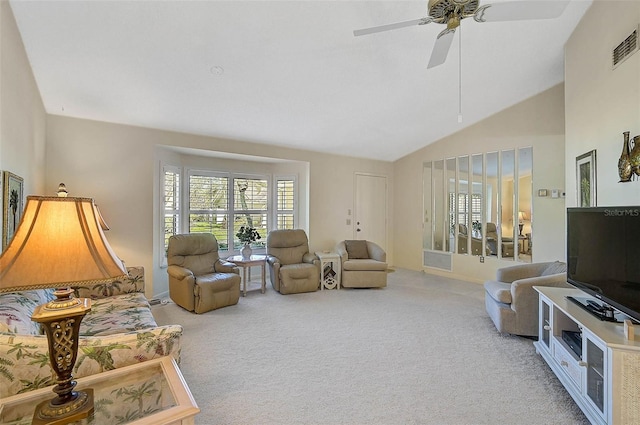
column 292, row 74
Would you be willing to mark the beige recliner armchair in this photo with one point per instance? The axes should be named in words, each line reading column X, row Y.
column 364, row 264
column 198, row 280
column 492, row 242
column 511, row 301
column 292, row 268
column 463, row 237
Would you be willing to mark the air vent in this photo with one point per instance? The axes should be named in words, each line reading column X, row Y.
column 437, row 260
column 625, row 49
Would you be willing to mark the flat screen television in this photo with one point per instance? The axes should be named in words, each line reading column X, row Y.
column 603, row 255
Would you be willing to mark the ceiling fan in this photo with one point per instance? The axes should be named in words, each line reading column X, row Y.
column 452, row 12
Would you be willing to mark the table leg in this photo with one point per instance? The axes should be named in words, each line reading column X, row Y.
column 264, row 277
column 244, row 280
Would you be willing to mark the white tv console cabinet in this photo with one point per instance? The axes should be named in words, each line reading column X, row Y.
column 604, row 379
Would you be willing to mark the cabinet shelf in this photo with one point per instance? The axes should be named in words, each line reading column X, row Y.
column 604, row 379
column 597, row 371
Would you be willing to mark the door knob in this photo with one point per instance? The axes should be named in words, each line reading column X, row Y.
column 357, row 230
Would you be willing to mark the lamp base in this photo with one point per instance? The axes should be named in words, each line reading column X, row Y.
column 79, row 407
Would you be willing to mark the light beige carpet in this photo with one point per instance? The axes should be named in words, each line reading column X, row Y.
column 421, row 351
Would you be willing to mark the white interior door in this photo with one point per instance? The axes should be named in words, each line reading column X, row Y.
column 371, row 209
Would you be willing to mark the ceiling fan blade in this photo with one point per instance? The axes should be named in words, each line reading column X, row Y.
column 520, row 11
column 441, row 48
column 388, row 27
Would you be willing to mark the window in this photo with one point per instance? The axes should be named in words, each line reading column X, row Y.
column 221, row 202
column 171, row 203
column 250, row 208
column 463, row 206
column 209, row 206
column 285, row 203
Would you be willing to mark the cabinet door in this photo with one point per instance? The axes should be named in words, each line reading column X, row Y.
column 594, row 355
column 544, row 331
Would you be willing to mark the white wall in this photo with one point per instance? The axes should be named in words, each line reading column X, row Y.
column 22, row 115
column 536, row 122
column 118, row 166
column 602, row 103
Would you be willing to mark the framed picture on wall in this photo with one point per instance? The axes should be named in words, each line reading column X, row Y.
column 12, row 205
column 586, row 179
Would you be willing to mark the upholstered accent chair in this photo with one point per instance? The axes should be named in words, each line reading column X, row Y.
column 199, row 280
column 511, row 301
column 492, row 242
column 463, row 237
column 364, row 264
column 292, row 268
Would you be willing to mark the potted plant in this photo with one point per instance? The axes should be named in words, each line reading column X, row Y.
column 247, row 235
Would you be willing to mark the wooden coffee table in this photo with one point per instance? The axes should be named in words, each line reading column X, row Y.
column 246, row 264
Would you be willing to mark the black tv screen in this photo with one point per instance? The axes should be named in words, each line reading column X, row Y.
column 603, row 255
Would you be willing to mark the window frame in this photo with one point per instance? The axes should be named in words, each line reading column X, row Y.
column 164, row 169
column 184, row 211
column 278, row 212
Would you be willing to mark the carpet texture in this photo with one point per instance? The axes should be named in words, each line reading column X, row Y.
column 420, row 351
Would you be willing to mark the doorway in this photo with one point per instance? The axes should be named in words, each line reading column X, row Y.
column 371, row 209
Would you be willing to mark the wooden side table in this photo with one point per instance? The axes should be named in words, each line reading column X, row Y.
column 330, row 270
column 160, row 392
column 246, row 264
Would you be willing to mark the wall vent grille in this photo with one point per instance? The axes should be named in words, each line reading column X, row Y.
column 625, row 49
column 437, row 260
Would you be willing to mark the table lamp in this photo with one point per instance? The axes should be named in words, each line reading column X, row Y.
column 520, row 221
column 60, row 244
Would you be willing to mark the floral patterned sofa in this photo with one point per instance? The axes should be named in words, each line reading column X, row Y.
column 118, row 331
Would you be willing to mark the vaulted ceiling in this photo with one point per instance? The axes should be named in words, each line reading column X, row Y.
column 287, row 73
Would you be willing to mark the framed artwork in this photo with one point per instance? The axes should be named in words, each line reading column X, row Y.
column 586, row 179
column 12, row 205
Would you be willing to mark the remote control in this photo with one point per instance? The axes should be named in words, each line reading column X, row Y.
column 595, row 305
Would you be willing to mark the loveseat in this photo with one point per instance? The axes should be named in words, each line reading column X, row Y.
column 118, row 331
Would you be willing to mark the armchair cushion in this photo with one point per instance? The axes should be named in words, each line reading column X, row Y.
column 367, row 264
column 357, row 249
column 554, row 268
column 288, row 246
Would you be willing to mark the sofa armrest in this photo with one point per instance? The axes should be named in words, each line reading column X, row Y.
column 522, row 271
column 310, row 258
column 525, row 297
column 376, row 252
column 273, row 264
column 341, row 249
column 179, row 272
column 222, row 266
column 28, row 355
column 133, row 282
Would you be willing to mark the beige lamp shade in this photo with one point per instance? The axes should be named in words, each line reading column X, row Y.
column 58, row 243
column 103, row 224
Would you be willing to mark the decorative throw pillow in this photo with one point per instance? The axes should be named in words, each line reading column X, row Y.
column 357, row 249
column 555, row 268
